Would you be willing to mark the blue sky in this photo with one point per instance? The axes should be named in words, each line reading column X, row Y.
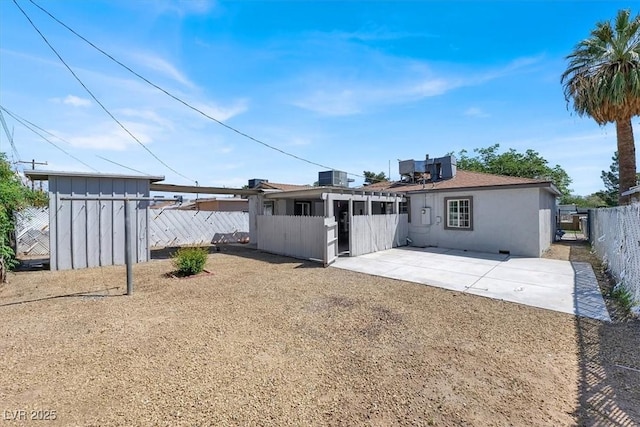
column 350, row 85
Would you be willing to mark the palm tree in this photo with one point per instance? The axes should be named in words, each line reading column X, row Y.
column 603, row 82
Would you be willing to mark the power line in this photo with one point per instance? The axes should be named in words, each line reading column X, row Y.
column 16, row 118
column 94, row 97
column 14, row 150
column 122, row 166
column 180, row 100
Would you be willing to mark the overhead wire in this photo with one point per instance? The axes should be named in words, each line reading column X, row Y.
column 122, row 166
column 23, row 123
column 14, row 150
column 16, row 116
column 180, row 100
column 94, row 97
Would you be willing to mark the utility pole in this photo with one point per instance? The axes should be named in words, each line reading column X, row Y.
column 33, row 167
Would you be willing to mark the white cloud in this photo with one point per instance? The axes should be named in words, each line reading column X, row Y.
column 297, row 141
column 110, row 136
column 476, row 112
column 149, row 115
column 180, row 7
column 76, row 101
column 162, row 66
column 410, row 82
column 222, row 113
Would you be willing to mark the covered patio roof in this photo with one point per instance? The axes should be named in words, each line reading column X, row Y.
column 337, row 193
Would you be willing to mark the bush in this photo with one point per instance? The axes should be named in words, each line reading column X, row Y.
column 191, row 260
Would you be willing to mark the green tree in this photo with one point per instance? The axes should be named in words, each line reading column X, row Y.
column 611, row 182
column 372, row 177
column 602, row 81
column 512, row 163
column 13, row 197
column 591, row 201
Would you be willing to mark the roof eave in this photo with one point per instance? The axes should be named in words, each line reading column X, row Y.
column 43, row 175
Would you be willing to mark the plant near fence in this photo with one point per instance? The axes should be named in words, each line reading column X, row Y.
column 190, row 260
column 13, row 197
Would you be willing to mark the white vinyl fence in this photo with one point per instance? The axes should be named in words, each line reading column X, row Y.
column 295, row 236
column 615, row 236
column 166, row 228
column 372, row 233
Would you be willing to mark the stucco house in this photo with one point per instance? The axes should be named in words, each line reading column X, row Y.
column 433, row 204
column 480, row 212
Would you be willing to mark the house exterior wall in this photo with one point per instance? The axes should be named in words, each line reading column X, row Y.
column 255, row 209
column 503, row 220
column 548, row 221
column 90, row 233
column 231, row 205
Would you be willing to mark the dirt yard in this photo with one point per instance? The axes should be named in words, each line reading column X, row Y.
column 266, row 340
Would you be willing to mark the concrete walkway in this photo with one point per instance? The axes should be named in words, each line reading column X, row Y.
column 568, row 287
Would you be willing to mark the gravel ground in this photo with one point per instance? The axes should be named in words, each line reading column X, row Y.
column 266, row 340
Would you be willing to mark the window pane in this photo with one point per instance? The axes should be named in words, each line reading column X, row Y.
column 459, row 213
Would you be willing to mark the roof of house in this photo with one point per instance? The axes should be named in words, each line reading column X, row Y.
column 463, row 180
column 282, row 187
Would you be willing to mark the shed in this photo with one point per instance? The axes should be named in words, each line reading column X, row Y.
column 86, row 217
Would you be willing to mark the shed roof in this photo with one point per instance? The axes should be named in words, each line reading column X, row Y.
column 43, row 175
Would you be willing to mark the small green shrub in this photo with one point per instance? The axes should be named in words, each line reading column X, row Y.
column 623, row 296
column 190, row 260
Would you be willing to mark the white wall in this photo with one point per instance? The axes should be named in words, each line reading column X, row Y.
column 503, row 220
column 547, row 219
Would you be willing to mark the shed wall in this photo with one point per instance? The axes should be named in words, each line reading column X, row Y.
column 90, row 233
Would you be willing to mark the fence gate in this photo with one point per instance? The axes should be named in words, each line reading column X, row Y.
column 331, row 241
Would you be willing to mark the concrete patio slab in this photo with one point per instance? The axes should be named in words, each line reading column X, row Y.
column 544, row 283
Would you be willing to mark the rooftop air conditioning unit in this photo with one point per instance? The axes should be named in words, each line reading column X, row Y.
column 333, row 179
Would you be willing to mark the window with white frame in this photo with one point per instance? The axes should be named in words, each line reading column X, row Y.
column 459, row 213
column 268, row 208
column 302, row 208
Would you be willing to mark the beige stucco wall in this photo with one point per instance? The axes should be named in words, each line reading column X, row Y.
column 503, row 220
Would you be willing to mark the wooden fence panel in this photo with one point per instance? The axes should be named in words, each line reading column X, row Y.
column 295, row 236
column 372, row 233
column 171, row 227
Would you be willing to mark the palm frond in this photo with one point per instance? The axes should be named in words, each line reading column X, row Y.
column 602, row 79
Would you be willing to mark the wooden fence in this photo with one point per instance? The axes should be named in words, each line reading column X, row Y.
column 372, row 233
column 166, row 228
column 295, row 236
column 171, row 227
